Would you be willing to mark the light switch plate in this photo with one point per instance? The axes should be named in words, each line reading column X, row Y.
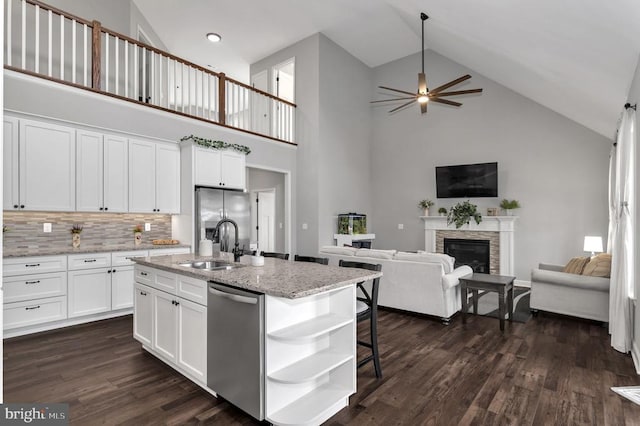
column 401, row 226
column 147, row 226
column 46, row 227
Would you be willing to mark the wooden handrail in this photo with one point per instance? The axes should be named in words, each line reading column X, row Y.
column 59, row 12
column 268, row 95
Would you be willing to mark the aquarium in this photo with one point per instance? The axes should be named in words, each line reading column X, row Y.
column 352, row 223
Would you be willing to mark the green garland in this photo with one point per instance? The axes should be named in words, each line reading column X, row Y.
column 208, row 143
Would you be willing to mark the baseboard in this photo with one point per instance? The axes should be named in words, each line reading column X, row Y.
column 635, row 354
column 522, row 283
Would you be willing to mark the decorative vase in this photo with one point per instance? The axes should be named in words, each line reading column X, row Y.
column 509, row 212
column 426, row 212
column 75, row 240
column 137, row 238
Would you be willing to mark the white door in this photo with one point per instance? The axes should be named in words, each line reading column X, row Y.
column 233, row 168
column 116, row 172
column 207, row 162
column 143, row 314
column 142, row 176
column 47, row 166
column 89, row 291
column 89, row 173
column 263, row 207
column 167, row 178
column 165, row 325
column 10, row 142
column 122, row 287
column 192, row 339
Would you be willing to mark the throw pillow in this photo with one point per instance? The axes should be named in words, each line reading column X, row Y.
column 599, row 266
column 576, row 265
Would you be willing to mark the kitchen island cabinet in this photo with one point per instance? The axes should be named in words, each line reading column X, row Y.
column 309, row 332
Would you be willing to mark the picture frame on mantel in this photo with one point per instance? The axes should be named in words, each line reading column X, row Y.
column 492, row 211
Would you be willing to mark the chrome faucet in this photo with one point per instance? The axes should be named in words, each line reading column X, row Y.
column 237, row 252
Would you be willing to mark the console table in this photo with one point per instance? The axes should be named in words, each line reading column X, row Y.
column 348, row 239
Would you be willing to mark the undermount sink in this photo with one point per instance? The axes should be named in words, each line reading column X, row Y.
column 210, row 265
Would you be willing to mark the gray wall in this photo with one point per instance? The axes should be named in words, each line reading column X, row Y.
column 634, row 98
column 333, row 132
column 265, row 179
column 556, row 168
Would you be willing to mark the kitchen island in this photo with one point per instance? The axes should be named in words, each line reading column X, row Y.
column 307, row 336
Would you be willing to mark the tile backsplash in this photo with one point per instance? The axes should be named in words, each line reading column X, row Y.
column 26, row 228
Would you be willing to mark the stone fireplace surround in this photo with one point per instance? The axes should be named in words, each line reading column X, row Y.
column 499, row 230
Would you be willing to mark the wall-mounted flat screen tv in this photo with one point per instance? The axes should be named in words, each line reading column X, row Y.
column 468, row 180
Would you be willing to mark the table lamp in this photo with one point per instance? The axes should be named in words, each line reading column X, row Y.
column 593, row 244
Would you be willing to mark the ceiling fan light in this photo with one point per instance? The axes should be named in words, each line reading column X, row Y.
column 423, row 99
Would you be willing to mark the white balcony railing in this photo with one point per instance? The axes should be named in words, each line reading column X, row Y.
column 47, row 42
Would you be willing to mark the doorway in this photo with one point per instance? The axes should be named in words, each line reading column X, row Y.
column 269, row 223
column 263, row 202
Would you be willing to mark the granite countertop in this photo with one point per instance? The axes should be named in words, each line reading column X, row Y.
column 281, row 278
column 93, row 248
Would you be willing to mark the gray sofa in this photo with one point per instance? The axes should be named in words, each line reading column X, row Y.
column 577, row 295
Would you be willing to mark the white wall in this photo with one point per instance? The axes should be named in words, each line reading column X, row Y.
column 112, row 14
column 634, row 98
column 333, row 135
column 555, row 167
column 258, row 179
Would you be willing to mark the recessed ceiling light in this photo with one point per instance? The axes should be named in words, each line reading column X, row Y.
column 213, row 37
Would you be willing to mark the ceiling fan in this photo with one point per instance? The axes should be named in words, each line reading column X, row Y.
column 424, row 95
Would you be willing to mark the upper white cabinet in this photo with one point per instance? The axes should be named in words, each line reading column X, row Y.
column 220, row 168
column 154, row 177
column 101, row 178
column 11, row 194
column 39, row 166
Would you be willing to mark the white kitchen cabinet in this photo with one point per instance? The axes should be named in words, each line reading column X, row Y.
column 102, row 172
column 220, row 168
column 192, row 338
column 143, row 318
column 89, row 291
column 154, row 177
column 11, row 194
column 46, row 167
column 122, row 287
column 165, row 325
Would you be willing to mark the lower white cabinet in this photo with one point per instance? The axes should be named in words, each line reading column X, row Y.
column 32, row 312
column 122, row 287
column 143, row 317
column 89, row 291
column 171, row 327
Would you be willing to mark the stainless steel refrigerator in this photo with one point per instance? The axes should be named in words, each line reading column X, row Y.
column 212, row 205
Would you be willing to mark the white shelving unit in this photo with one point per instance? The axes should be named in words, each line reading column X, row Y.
column 309, row 356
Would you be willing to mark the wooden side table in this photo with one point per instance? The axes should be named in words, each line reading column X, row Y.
column 501, row 284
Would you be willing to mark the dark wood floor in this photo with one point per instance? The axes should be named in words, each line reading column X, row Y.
column 549, row 371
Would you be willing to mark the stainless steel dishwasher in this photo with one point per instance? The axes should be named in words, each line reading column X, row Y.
column 235, row 347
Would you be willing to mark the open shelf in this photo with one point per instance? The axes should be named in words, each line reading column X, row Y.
column 312, row 407
column 311, row 328
column 311, row 367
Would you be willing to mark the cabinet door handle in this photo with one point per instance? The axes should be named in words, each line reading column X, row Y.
column 143, row 273
column 143, row 293
column 89, row 260
column 22, row 206
column 113, row 270
column 15, row 206
column 32, row 265
column 28, row 308
column 108, row 271
column 32, row 282
column 106, row 208
column 100, row 209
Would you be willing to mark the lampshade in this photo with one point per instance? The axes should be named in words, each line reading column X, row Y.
column 593, row 244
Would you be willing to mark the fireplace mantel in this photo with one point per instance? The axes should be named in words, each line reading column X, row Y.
column 504, row 225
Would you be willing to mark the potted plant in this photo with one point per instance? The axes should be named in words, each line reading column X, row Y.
column 137, row 234
column 76, row 230
column 462, row 213
column 426, row 205
column 509, row 205
column 442, row 211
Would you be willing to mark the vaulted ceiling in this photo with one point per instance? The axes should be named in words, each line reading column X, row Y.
column 576, row 57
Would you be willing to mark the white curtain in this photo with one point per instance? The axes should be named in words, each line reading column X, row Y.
column 612, row 198
column 622, row 251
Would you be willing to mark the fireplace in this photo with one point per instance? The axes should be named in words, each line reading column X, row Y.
column 475, row 253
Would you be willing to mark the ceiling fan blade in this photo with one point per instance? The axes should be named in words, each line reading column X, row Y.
column 423, row 108
column 451, row 83
column 401, row 106
column 444, row 101
column 422, row 83
column 459, row 92
column 396, row 90
column 391, row 99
